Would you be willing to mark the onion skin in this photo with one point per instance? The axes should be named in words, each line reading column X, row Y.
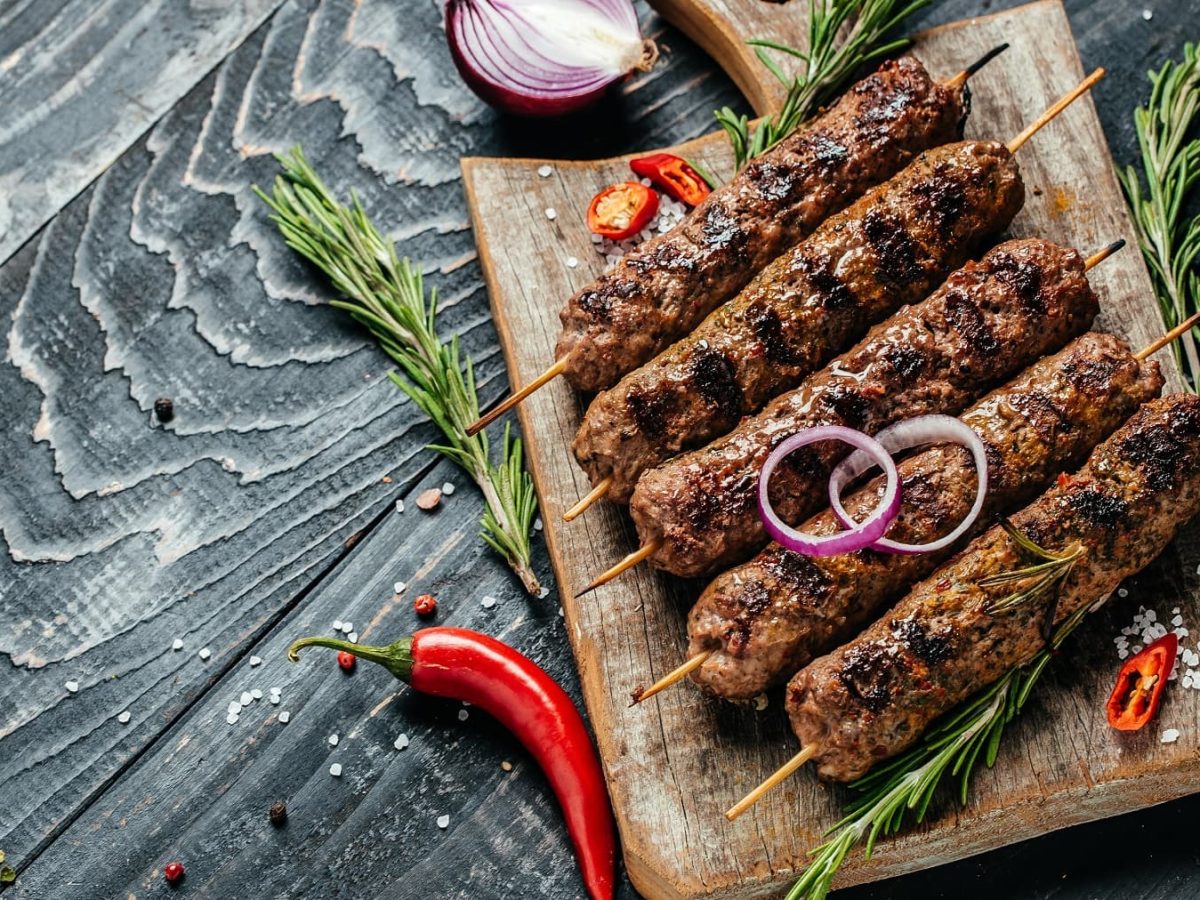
column 531, row 103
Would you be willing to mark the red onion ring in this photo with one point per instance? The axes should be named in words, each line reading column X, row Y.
column 544, row 57
column 903, row 436
column 858, row 535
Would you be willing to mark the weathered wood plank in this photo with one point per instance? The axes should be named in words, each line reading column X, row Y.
column 81, row 81
column 164, row 278
column 694, row 758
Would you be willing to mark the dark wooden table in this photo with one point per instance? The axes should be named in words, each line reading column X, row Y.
column 136, row 264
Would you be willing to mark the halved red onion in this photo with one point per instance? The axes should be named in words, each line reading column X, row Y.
column 903, row 436
column 858, row 535
column 545, row 57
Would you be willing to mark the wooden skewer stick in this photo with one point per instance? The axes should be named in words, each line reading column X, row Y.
column 1101, row 255
column 593, row 495
column 505, row 405
column 627, row 563
column 777, row 776
column 559, row 367
column 677, row 674
column 1063, row 102
column 1190, row 322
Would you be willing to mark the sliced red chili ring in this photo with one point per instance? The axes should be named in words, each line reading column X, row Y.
column 1141, row 683
column 622, row 210
column 673, row 175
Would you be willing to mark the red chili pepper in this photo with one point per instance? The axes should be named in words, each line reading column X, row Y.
column 1139, row 688
column 467, row 665
column 173, row 872
column 622, row 210
column 425, row 605
column 673, row 175
column 346, row 661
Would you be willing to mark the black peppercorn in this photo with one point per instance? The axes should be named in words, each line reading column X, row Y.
column 164, row 409
column 278, row 813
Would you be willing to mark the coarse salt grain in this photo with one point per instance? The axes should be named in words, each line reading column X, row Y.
column 462, row 715
column 401, row 743
column 760, row 702
column 447, row 488
column 256, row 694
column 255, row 661
column 284, row 717
column 543, row 593
column 537, row 524
column 336, row 770
column 233, row 708
column 333, row 740
column 443, row 822
column 337, row 624
column 399, row 587
column 572, row 262
column 551, row 213
column 177, row 644
column 231, row 719
column 204, row 653
column 1122, row 593
column 1147, row 14
column 123, row 718
column 1170, row 736
column 347, row 627
column 545, row 171
column 352, row 637
column 71, row 686
column 245, row 699
column 487, row 602
column 274, row 698
column 399, row 506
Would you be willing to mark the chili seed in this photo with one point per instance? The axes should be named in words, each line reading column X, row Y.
column 164, row 409
column 506, row 765
column 278, row 813
column 173, row 872
column 429, row 500
column 425, row 605
column 346, row 660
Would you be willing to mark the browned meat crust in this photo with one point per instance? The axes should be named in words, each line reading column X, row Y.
column 988, row 321
column 663, row 289
column 766, row 619
column 893, row 246
column 873, row 697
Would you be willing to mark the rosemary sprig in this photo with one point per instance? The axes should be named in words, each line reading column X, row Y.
column 903, row 789
column 1169, row 239
column 1046, row 569
column 387, row 295
column 828, row 64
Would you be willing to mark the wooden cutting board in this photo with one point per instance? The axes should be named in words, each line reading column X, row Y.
column 676, row 762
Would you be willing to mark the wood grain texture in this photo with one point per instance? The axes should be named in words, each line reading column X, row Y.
column 676, row 763
column 125, row 800
column 59, row 131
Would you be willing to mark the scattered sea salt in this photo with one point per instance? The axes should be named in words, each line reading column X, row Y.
column 204, row 653
column 231, row 719
column 551, row 213
column 123, row 718
column 543, row 593
column 487, row 602
column 333, row 740
column 337, row 624
column 245, row 699
column 399, row 587
column 399, row 506
column 274, row 698
column 443, row 822
column 545, row 171
column 177, row 644
column 447, row 488
column 255, row 661
column 71, row 686
column 347, row 627
column 284, row 717
column 537, row 524
column 256, row 694
column 352, row 637
column 1122, row 593
column 1147, row 14
column 572, row 262
column 336, row 770
column 462, row 715
column 760, row 702
column 401, row 742
column 1170, row 736
column 233, row 708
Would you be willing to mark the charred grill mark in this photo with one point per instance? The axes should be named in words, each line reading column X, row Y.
column 649, row 410
column 798, row 574
column 824, row 282
column 895, row 248
column 1162, row 451
column 865, row 674
column 940, row 199
column 906, row 361
column 755, row 600
column 1093, row 375
column 1100, row 510
column 722, row 231
column 927, row 646
column 848, row 404
column 610, row 290
column 965, row 318
column 1042, row 413
column 715, row 378
column 665, row 256
column 768, row 331
column 1023, row 278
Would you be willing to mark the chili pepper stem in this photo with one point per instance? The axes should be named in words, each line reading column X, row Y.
column 395, row 657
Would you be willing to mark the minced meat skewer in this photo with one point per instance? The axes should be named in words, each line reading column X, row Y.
column 873, row 697
column 760, row 622
column 891, row 247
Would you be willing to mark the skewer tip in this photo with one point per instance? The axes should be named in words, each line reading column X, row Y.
column 1057, row 107
column 593, row 495
column 677, row 674
column 1101, row 255
column 513, row 399
column 773, row 779
column 961, row 78
column 1192, row 321
column 647, row 549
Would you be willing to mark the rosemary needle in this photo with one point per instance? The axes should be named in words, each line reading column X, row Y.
column 387, row 295
column 828, row 64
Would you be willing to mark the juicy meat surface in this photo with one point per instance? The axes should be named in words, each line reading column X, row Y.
column 873, row 697
column 892, row 246
column 767, row 618
column 661, row 290
column 990, row 319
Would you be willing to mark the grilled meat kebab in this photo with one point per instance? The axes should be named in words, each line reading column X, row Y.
column 873, row 697
column 990, row 319
column 764, row 620
column 661, row 290
column 893, row 246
